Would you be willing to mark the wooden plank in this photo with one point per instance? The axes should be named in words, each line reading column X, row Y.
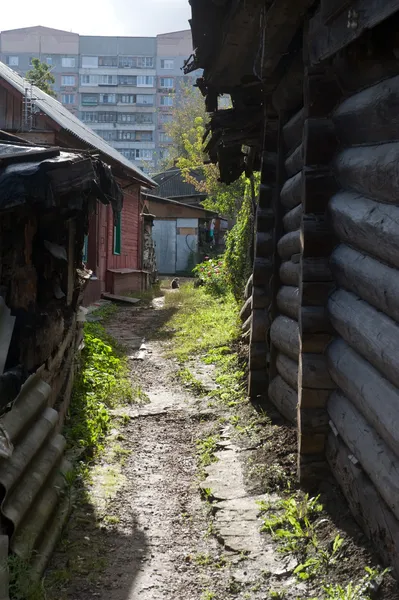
column 259, row 326
column 292, row 131
column 289, row 244
column 124, row 299
column 284, row 398
column 260, row 297
column 367, row 225
column 258, row 356
column 373, row 281
column 371, row 333
column 373, row 395
column 291, row 191
column 315, row 269
column 375, row 457
column 262, row 271
column 313, row 372
column 367, row 506
column 371, row 116
column 288, row 301
column 266, row 194
column 371, row 171
column 258, row 383
column 294, row 162
column 71, row 260
column 314, row 319
column 321, row 90
column 319, row 141
column 292, row 219
column 315, row 293
column 315, row 342
column 309, row 398
column 264, row 244
column 289, row 273
column 325, row 40
column 317, row 189
column 265, row 218
column 284, row 333
column 317, row 236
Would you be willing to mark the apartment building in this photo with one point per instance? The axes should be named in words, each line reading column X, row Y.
column 124, row 88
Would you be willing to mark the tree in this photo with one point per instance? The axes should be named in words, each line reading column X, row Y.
column 41, row 76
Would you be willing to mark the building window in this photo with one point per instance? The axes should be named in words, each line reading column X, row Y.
column 13, row 61
column 106, row 135
column 164, row 137
column 89, row 80
column 68, row 98
column 107, row 98
column 145, row 62
column 144, row 136
column 107, row 80
column 89, row 99
column 136, row 62
column 167, row 83
column 147, row 99
column 89, row 62
column 67, row 61
column 145, row 81
column 107, row 61
column 67, row 80
column 127, row 80
column 166, row 101
column 89, row 117
column 167, row 63
column 117, row 234
column 135, row 118
column 165, row 118
column 127, row 98
column 49, row 60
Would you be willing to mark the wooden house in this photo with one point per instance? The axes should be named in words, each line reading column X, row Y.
column 113, row 249
column 315, row 103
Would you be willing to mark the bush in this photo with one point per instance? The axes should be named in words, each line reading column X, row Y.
column 212, row 273
column 237, row 258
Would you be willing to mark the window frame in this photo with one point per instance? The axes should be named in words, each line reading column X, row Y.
column 72, row 60
column 167, row 60
column 71, row 95
column 117, row 241
column 13, row 64
column 63, row 77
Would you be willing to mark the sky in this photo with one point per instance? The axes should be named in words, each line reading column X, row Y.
column 101, row 17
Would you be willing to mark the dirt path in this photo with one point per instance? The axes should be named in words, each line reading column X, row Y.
column 141, row 531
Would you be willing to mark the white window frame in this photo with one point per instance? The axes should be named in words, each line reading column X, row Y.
column 165, row 85
column 142, row 99
column 145, row 81
column 167, row 64
column 68, row 62
column 13, row 61
column 68, row 77
column 64, row 96
column 166, row 101
column 107, row 80
column 108, row 101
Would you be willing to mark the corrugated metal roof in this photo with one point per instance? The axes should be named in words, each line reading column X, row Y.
column 172, row 184
column 34, row 501
column 61, row 115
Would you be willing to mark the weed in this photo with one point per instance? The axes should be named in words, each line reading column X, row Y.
column 208, row 595
column 22, row 586
column 277, row 594
column 188, row 379
column 207, row 494
column 206, row 449
column 111, row 520
column 203, row 560
column 321, row 561
column 356, row 591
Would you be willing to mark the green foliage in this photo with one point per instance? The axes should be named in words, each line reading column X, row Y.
column 41, row 76
column 356, row 591
column 213, row 275
column 190, row 381
column 21, row 586
column 206, row 449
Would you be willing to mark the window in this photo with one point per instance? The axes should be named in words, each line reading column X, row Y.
column 107, row 61
column 89, row 99
column 127, row 98
column 106, row 117
column 67, row 80
column 67, row 61
column 145, row 81
column 107, row 98
column 107, row 135
column 127, row 80
column 166, row 101
column 135, row 118
column 107, row 80
column 89, row 80
column 145, row 99
column 117, row 234
column 89, row 117
column 224, row 102
column 89, row 62
column 144, row 136
column 144, row 154
column 68, row 98
column 167, row 63
column 144, row 62
column 136, row 62
column 137, row 153
column 49, row 60
column 135, row 136
column 163, row 137
column 165, row 118
column 13, row 61
column 167, row 82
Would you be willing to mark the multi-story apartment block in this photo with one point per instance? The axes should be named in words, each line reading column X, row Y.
column 122, row 87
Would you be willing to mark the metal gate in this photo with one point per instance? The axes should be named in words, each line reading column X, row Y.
column 164, row 235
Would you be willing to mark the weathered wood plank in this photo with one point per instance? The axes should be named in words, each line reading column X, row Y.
column 291, row 191
column 292, row 131
column 288, row 301
column 370, row 279
column 284, row 333
column 257, row 356
column 371, row 116
column 318, row 186
column 246, row 310
column 314, row 319
column 317, row 236
column 289, row 244
column 367, row 506
column 292, row 219
column 262, row 271
column 315, row 269
column 260, row 297
column 259, row 326
column 294, row 162
column 289, row 273
column 284, row 398
column 366, row 225
column 376, row 458
column 264, row 244
column 313, row 372
column 371, row 333
column 288, row 370
column 373, row 395
column 371, row 170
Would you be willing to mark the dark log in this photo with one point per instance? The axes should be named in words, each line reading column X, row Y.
column 258, row 383
column 265, row 218
column 317, row 236
column 257, row 356
column 288, row 95
column 288, row 370
column 315, row 293
column 284, row 398
column 371, row 333
column 284, row 333
column 370, row 279
column 260, row 325
column 313, row 372
column 262, row 271
column 288, row 301
column 371, row 116
column 367, row 225
column 315, row 269
column 320, row 90
column 260, row 298
column 292, row 220
column 246, row 326
column 318, row 186
column 246, row 310
column 358, row 70
column 319, row 141
column 373, row 395
column 291, row 191
column 367, row 506
column 326, row 39
column 376, row 458
column 289, row 273
column 264, row 244
column 371, row 170
column 289, row 244
column 292, row 131
column 266, row 195
column 314, row 319
column 294, row 162
column 248, row 288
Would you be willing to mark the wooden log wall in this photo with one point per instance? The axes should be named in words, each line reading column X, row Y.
column 363, row 361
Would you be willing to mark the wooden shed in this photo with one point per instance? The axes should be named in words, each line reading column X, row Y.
column 315, row 94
